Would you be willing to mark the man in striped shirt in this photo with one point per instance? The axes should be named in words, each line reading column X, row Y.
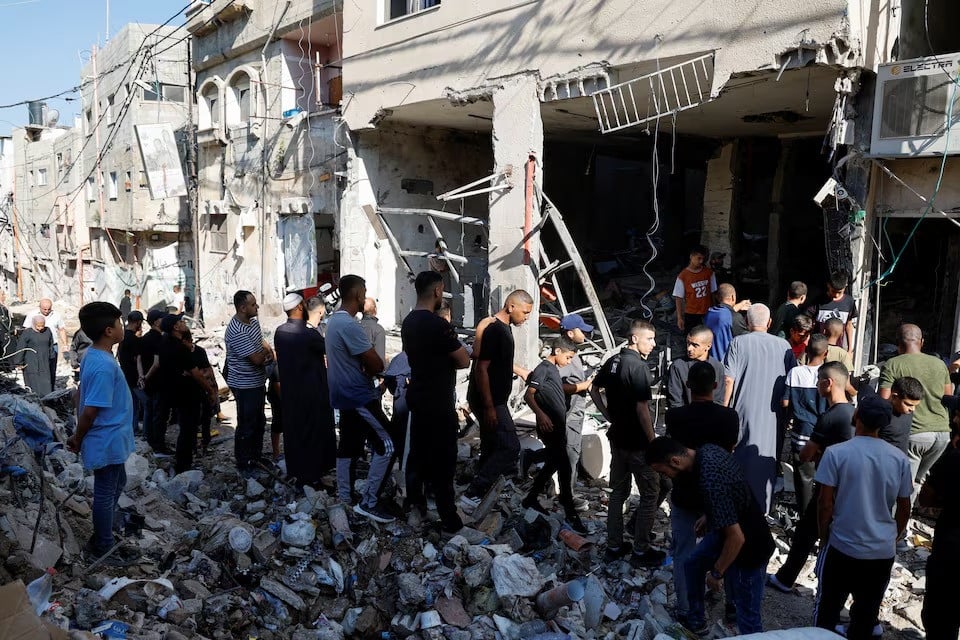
column 248, row 355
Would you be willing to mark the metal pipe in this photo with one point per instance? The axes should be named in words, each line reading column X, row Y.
column 476, row 192
column 440, row 215
column 549, row 602
column 528, row 207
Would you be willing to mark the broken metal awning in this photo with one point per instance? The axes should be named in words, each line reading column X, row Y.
column 665, row 92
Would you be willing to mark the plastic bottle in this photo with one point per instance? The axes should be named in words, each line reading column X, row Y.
column 40, row 591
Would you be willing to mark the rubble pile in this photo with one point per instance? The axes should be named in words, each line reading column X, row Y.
column 226, row 556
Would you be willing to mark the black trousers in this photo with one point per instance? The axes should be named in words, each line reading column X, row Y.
column 188, row 412
column 251, row 420
column 941, row 616
column 159, row 419
column 803, row 485
column 574, row 446
column 433, row 459
column 691, row 320
column 842, row 576
column 804, row 540
column 558, row 461
column 499, row 448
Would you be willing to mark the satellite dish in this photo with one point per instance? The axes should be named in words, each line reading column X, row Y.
column 52, row 117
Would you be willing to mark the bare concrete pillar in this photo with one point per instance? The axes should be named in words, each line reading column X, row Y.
column 517, row 134
column 718, row 203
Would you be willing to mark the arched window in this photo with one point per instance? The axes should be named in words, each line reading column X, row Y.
column 210, row 106
column 240, row 104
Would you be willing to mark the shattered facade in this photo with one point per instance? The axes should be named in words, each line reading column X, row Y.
column 49, row 225
column 268, row 89
column 88, row 223
column 528, row 80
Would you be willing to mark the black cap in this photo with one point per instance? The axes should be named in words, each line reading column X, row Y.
column 155, row 314
column 169, row 321
column 134, row 316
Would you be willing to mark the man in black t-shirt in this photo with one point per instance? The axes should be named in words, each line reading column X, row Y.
column 625, row 380
column 156, row 413
column 183, row 386
column 941, row 617
column 545, row 395
column 833, row 427
column 906, row 394
column 737, row 544
column 127, row 353
column 490, row 384
column 838, row 304
column 701, row 422
column 434, row 353
column 208, row 408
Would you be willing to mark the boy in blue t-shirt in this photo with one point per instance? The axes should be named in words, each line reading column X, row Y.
column 104, row 436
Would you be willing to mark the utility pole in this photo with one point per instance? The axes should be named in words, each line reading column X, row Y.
column 96, row 139
column 192, row 191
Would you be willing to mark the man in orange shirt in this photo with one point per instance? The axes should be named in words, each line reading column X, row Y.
column 693, row 290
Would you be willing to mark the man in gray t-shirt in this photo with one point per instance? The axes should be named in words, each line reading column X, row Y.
column 352, row 362
column 860, row 482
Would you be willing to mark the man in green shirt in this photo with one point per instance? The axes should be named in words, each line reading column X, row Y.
column 930, row 432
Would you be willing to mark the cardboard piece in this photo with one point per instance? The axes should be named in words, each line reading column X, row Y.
column 18, row 621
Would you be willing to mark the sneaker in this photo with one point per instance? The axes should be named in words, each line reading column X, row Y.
column 577, row 524
column 774, row 582
column 374, row 513
column 649, row 559
column 612, row 554
column 122, row 556
column 580, row 504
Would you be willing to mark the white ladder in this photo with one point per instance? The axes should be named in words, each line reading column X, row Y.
column 667, row 91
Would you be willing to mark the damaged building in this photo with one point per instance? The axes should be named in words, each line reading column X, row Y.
column 647, row 129
column 101, row 206
column 268, row 89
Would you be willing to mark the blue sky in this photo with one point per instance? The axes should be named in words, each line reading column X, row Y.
column 40, row 41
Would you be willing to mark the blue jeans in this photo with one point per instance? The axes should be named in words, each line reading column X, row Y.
column 745, row 585
column 682, row 523
column 108, row 484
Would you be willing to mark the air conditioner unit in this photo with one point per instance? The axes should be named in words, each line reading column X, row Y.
column 911, row 108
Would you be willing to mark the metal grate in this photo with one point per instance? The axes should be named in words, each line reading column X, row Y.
column 667, row 91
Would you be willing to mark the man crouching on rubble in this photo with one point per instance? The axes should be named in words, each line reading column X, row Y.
column 737, row 543
column 104, row 436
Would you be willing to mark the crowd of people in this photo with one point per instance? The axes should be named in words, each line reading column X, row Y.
column 749, row 381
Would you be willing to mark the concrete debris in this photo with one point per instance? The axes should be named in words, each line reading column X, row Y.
column 226, row 556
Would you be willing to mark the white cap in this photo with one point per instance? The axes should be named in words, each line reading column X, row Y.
column 291, row 301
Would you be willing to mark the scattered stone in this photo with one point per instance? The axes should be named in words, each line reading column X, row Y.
column 516, row 575
column 285, row 594
column 411, row 588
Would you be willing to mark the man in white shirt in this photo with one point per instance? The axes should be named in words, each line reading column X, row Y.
column 179, row 299
column 55, row 323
